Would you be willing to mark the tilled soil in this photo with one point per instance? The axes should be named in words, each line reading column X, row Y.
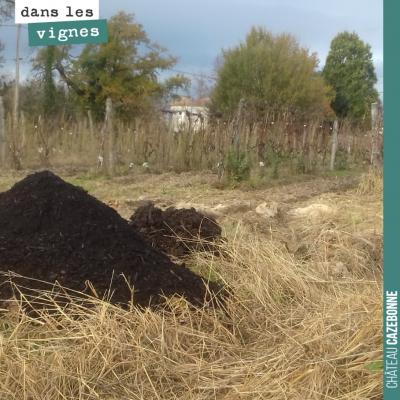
column 53, row 231
column 176, row 232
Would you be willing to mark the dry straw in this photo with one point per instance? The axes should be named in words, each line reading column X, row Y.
column 288, row 332
column 371, row 183
column 298, row 326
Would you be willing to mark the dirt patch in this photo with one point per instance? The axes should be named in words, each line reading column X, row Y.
column 51, row 230
column 175, row 231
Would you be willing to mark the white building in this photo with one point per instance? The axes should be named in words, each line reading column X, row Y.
column 189, row 113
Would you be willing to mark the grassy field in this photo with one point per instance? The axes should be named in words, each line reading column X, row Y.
column 304, row 320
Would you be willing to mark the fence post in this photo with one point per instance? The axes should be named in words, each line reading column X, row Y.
column 375, row 153
column 312, row 151
column 111, row 135
column 91, row 125
column 334, row 144
column 239, row 124
column 303, row 144
column 16, row 156
column 100, row 158
column 23, row 129
column 2, row 135
column 220, row 167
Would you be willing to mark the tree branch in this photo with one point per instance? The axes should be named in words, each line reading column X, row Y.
column 60, row 68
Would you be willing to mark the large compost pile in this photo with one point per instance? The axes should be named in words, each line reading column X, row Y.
column 53, row 231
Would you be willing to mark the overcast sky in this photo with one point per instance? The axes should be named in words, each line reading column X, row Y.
column 196, row 30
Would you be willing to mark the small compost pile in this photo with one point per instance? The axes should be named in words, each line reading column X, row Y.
column 176, row 231
column 53, row 231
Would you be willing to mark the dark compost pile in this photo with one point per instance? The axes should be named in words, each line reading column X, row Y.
column 52, row 230
column 176, row 232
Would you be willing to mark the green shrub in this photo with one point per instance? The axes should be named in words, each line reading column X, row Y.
column 342, row 161
column 301, row 165
column 275, row 171
column 237, row 165
column 273, row 159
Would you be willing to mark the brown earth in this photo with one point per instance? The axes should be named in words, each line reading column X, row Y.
column 176, row 232
column 53, row 231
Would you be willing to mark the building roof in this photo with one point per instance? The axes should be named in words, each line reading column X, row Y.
column 186, row 101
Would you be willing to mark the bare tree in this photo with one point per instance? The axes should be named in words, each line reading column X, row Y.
column 204, row 85
column 218, row 64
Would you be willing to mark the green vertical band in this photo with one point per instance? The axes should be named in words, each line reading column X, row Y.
column 391, row 384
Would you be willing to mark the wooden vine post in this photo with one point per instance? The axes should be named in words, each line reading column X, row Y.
column 3, row 139
column 376, row 157
column 112, row 139
column 334, row 144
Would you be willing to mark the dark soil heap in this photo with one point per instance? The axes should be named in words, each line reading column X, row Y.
column 174, row 231
column 52, row 230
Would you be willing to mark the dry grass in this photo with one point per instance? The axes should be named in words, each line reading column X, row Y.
column 298, row 326
column 371, row 183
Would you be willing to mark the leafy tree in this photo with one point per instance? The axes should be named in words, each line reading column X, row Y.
column 350, row 71
column 270, row 71
column 49, row 91
column 124, row 69
column 30, row 91
column 33, row 89
column 6, row 84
